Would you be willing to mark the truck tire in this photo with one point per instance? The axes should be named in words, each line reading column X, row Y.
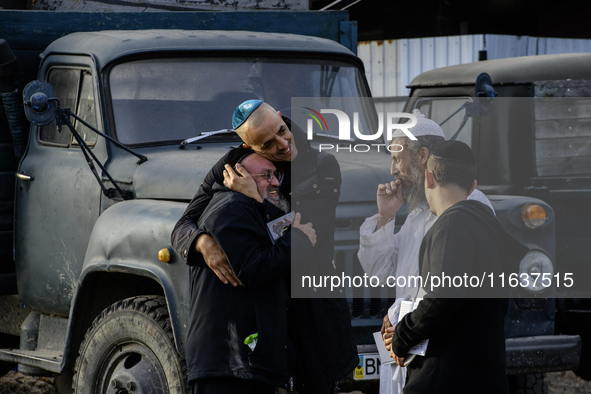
column 531, row 383
column 130, row 348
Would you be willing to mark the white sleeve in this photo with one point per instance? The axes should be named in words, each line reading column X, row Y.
column 479, row 196
column 394, row 310
column 378, row 251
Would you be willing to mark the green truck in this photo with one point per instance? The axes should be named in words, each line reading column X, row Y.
column 532, row 140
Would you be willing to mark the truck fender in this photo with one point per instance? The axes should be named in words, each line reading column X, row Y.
column 122, row 261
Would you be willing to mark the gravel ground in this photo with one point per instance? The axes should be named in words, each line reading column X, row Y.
column 17, row 383
column 567, row 383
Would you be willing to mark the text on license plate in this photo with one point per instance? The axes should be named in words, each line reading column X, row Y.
column 368, row 367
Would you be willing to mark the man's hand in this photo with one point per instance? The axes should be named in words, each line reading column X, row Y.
column 390, row 199
column 241, row 181
column 385, row 324
column 215, row 258
column 306, row 228
column 387, row 337
column 399, row 360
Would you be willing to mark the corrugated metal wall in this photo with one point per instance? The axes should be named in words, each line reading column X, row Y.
column 391, row 65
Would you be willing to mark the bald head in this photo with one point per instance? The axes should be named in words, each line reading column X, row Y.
column 254, row 121
column 265, row 132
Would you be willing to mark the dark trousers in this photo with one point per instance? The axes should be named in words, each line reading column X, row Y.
column 230, row 386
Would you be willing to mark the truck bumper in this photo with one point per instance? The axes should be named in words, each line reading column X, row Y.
column 547, row 353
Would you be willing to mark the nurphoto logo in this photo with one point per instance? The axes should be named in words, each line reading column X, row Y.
column 391, row 120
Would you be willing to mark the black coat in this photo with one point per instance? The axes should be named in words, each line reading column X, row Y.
column 223, row 316
column 185, row 232
column 320, row 328
column 466, row 350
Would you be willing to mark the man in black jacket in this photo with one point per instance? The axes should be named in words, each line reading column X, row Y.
column 466, row 348
column 238, row 336
column 320, row 328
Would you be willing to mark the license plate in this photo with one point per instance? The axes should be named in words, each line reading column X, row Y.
column 368, row 367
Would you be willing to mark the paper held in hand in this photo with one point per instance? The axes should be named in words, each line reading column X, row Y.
column 385, row 358
column 278, row 227
column 420, row 348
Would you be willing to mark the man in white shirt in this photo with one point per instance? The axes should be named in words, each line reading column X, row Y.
column 383, row 253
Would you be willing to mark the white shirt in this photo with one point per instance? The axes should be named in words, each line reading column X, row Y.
column 383, row 254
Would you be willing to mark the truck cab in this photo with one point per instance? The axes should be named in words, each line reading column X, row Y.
column 93, row 212
column 525, row 119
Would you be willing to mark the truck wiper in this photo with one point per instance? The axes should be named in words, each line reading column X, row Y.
column 203, row 135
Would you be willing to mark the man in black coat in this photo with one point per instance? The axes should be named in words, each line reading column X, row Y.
column 238, row 337
column 320, row 328
column 466, row 348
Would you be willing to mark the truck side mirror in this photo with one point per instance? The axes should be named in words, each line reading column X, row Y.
column 40, row 102
column 484, row 93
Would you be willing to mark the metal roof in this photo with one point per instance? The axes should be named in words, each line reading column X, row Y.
column 106, row 46
column 524, row 69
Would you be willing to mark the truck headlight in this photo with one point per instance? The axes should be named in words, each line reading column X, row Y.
column 536, row 271
column 533, row 216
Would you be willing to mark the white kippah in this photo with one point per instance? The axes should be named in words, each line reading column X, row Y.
column 424, row 126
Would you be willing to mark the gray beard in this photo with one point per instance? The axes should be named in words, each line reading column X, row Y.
column 415, row 194
column 282, row 204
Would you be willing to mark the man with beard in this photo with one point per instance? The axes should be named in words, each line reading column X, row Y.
column 238, row 338
column 320, row 328
column 382, row 252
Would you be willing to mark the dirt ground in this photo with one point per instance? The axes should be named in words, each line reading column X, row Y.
column 567, row 383
column 17, row 383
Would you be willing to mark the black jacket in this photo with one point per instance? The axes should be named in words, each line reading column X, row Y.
column 185, row 232
column 320, row 328
column 223, row 316
column 466, row 350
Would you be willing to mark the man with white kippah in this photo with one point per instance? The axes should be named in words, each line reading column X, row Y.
column 382, row 253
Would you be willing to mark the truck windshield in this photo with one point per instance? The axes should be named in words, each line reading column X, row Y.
column 169, row 100
column 449, row 112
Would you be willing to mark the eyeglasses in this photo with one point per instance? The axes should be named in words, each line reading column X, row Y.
column 269, row 175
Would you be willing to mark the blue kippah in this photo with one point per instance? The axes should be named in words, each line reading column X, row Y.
column 243, row 111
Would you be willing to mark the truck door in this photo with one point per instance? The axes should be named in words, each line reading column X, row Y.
column 57, row 197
